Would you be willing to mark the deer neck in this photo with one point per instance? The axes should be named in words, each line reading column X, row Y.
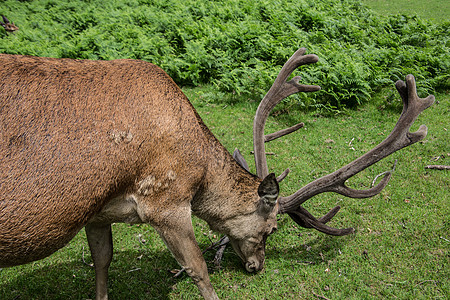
column 227, row 190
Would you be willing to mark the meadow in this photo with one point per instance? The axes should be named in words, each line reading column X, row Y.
column 400, row 249
column 436, row 11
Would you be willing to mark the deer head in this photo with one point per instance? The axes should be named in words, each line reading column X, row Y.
column 242, row 206
column 248, row 233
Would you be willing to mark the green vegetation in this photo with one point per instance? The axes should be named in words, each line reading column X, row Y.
column 401, row 245
column 239, row 46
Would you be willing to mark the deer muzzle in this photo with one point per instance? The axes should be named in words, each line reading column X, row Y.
column 252, row 265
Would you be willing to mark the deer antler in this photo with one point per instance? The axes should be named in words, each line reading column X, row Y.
column 399, row 138
column 279, row 90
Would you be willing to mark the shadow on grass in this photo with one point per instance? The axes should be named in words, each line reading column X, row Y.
column 130, row 277
column 304, row 245
column 143, row 274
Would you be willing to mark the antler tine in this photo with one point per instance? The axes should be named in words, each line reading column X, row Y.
column 283, row 132
column 303, row 218
column 279, row 90
column 399, row 138
column 283, row 175
column 412, row 108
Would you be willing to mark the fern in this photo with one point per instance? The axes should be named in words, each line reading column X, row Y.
column 239, row 46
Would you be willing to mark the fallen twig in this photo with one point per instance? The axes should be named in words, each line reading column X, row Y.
column 319, row 296
column 220, row 246
column 437, row 167
column 133, row 270
column 425, row 281
column 445, row 239
column 82, row 257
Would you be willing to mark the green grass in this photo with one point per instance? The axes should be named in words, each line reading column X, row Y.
column 436, row 10
column 400, row 247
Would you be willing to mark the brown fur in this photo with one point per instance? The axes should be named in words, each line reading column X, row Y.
column 78, row 136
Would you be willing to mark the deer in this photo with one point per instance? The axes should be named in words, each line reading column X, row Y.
column 85, row 144
column 9, row 26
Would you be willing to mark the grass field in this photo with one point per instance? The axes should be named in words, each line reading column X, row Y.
column 436, row 10
column 400, row 249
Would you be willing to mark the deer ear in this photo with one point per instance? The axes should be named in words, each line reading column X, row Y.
column 268, row 191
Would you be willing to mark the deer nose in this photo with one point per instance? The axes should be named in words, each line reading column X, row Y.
column 253, row 266
column 250, row 266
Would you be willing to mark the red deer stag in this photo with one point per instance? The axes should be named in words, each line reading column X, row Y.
column 89, row 143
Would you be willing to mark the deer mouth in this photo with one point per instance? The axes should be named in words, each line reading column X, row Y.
column 253, row 266
column 250, row 267
column 251, row 263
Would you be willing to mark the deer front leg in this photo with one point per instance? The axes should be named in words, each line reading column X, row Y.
column 100, row 243
column 178, row 235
